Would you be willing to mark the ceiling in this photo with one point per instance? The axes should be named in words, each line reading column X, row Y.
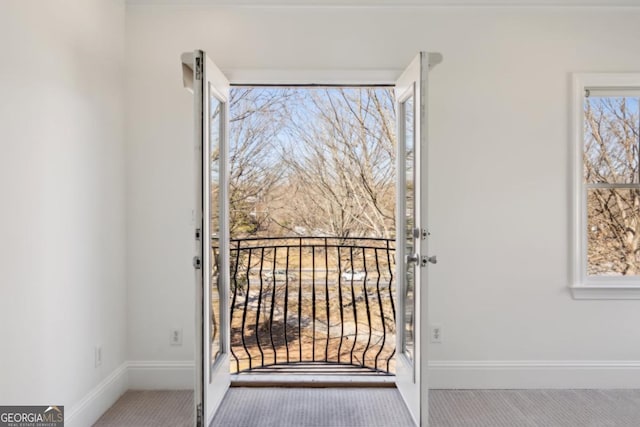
column 394, row 3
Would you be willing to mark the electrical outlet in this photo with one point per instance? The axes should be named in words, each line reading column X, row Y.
column 176, row 336
column 436, row 334
column 97, row 355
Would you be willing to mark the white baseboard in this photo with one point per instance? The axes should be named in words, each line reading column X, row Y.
column 132, row 375
column 179, row 375
column 161, row 375
column 99, row 399
column 533, row 374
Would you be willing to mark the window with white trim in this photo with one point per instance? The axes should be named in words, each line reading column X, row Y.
column 607, row 185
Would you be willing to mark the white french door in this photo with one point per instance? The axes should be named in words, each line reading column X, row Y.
column 211, row 94
column 211, row 262
column 412, row 233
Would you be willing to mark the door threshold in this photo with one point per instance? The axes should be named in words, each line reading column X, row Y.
column 311, row 380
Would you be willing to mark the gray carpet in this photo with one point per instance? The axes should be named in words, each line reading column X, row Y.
column 318, row 407
column 150, row 409
column 249, row 407
column 534, row 408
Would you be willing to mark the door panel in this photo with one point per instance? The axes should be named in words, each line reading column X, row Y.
column 211, row 89
column 411, row 238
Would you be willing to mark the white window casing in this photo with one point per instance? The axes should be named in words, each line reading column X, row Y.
column 582, row 285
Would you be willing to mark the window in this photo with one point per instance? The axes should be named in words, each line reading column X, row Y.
column 607, row 186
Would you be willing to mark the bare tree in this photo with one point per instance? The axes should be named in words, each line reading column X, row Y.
column 611, row 157
column 341, row 162
column 258, row 117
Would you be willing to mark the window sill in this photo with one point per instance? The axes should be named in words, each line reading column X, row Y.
column 605, row 292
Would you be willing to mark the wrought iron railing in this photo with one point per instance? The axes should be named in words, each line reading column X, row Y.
column 313, row 302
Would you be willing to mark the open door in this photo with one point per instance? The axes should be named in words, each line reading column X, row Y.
column 211, row 262
column 412, row 236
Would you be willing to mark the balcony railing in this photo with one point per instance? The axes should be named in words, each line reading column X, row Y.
column 313, row 304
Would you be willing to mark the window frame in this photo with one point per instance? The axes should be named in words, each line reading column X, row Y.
column 582, row 285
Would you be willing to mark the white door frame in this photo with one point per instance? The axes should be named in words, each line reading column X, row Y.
column 346, row 77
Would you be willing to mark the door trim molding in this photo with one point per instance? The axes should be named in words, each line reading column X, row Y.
column 310, row 76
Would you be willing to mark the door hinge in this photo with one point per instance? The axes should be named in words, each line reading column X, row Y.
column 197, row 262
column 199, row 416
column 198, row 68
column 198, row 234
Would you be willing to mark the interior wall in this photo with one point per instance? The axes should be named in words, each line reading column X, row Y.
column 62, row 227
column 499, row 168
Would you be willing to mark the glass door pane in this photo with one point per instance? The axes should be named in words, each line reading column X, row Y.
column 215, row 133
column 408, row 136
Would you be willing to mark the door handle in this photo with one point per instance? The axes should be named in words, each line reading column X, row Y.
column 423, row 260
column 412, row 258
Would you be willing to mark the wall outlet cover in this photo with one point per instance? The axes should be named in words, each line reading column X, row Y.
column 175, row 337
